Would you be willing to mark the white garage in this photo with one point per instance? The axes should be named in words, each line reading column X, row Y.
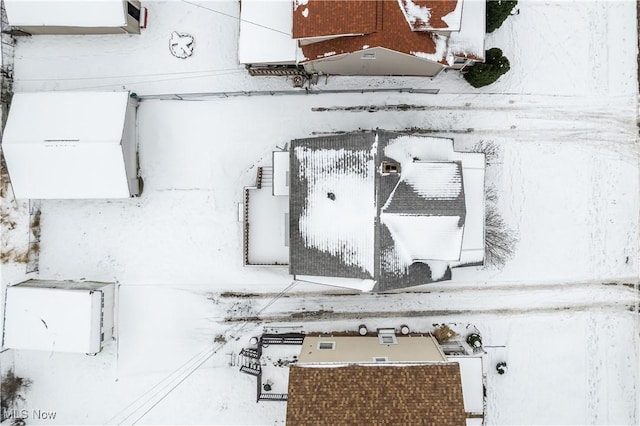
column 72, row 145
column 59, row 316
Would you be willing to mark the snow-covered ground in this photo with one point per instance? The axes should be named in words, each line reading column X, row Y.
column 567, row 180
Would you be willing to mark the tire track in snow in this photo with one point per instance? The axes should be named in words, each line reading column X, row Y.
column 330, row 315
column 307, row 307
column 595, row 372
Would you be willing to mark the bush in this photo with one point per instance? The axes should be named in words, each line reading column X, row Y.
column 497, row 12
column 474, row 340
column 494, row 66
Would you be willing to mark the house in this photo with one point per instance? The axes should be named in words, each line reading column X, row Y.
column 59, row 316
column 380, row 377
column 383, row 379
column 76, row 17
column 362, row 37
column 66, row 145
column 375, row 210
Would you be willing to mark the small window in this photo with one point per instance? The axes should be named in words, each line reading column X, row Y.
column 369, row 55
column 380, row 359
column 327, row 345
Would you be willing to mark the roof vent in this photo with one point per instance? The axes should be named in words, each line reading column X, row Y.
column 387, row 336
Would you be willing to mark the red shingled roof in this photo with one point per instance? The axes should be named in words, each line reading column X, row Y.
column 320, row 18
column 436, row 10
column 392, row 31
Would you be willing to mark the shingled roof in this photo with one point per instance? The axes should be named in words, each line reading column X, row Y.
column 348, row 220
column 406, row 26
column 322, row 18
column 392, row 32
column 429, row 394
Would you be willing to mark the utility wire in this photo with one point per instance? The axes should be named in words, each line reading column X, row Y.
column 236, row 18
column 189, row 366
column 157, row 81
column 212, row 71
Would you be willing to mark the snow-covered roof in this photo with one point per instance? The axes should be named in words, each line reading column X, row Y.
column 281, row 173
column 52, row 319
column 339, row 212
column 473, row 168
column 425, row 212
column 472, row 386
column 67, row 13
column 72, row 139
column 266, row 32
column 337, row 231
column 421, row 238
column 421, row 15
column 468, row 42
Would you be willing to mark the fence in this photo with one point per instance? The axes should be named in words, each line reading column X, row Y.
column 299, row 92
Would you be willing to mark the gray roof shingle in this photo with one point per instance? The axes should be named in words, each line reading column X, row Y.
column 405, row 199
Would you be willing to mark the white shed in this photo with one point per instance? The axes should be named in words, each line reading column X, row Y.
column 64, row 145
column 76, row 17
column 59, row 316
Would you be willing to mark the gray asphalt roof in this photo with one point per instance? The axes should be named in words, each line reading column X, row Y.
column 305, row 260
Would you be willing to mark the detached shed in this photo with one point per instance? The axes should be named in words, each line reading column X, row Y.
column 65, row 145
column 59, row 316
column 76, row 17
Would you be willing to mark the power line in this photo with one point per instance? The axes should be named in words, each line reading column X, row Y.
column 193, row 370
column 236, row 18
column 156, row 81
column 133, row 75
column 152, row 388
column 189, row 366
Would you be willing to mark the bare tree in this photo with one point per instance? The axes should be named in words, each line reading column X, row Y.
column 499, row 239
column 12, row 388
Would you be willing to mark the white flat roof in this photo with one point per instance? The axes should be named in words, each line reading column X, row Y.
column 469, row 41
column 472, row 386
column 66, row 116
column 280, row 173
column 66, row 145
column 67, row 13
column 266, row 32
column 52, row 319
column 473, row 170
column 268, row 228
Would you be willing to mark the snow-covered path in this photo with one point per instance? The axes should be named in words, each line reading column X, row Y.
column 438, row 301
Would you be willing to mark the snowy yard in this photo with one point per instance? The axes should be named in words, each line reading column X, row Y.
column 567, row 180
